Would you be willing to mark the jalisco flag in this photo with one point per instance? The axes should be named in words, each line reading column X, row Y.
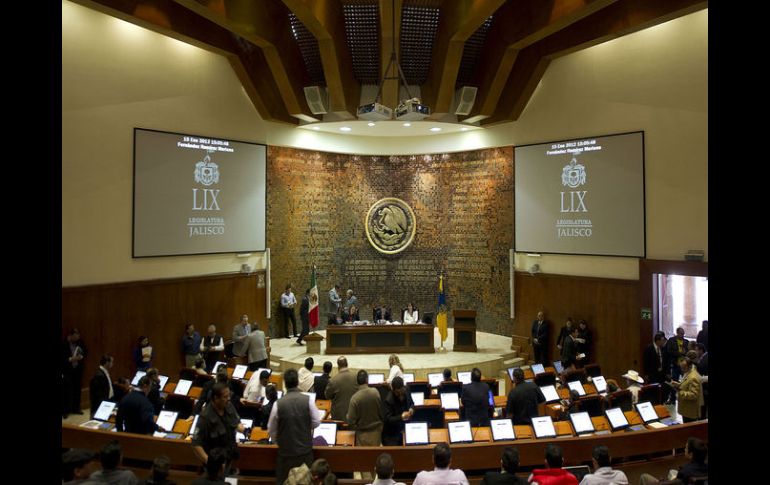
column 441, row 317
column 313, row 311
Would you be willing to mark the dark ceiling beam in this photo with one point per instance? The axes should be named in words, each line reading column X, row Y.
column 458, row 20
column 390, row 87
column 517, row 25
column 172, row 20
column 326, row 21
column 266, row 25
column 622, row 18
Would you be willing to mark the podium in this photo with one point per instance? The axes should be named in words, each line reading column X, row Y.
column 465, row 330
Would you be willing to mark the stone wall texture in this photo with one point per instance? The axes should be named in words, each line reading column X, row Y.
column 463, row 204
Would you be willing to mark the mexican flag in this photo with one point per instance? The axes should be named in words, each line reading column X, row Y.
column 313, row 312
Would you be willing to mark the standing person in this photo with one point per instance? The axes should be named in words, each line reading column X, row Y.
column 154, row 395
column 212, row 347
column 703, row 369
column 100, row 387
column 396, row 410
column 365, row 412
column 340, row 389
column 690, row 390
column 350, row 299
column 655, row 360
column 288, row 302
column 72, row 354
column 523, row 399
column 396, row 368
column 320, row 382
column 676, row 347
column 217, row 425
column 291, row 425
column 442, row 459
column 565, row 330
column 509, row 462
column 304, row 317
column 475, row 399
column 540, row 338
column 256, row 388
column 240, row 332
column 584, row 338
column 255, row 349
column 143, row 354
column 410, row 315
column 191, row 345
column 335, row 300
column 703, row 335
column 569, row 351
column 135, row 412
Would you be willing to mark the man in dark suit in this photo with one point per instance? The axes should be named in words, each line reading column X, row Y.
column 655, row 360
column 320, row 382
column 100, row 387
column 304, row 309
column 72, row 354
column 475, row 398
column 569, row 350
column 676, row 347
column 510, row 464
column 523, row 399
column 540, row 338
column 135, row 412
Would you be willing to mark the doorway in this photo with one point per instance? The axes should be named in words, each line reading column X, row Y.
column 680, row 301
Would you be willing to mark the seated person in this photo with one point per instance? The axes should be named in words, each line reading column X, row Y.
column 553, row 474
column 696, row 450
column 200, row 367
column 382, row 313
column 411, row 315
column 271, row 396
column 351, row 315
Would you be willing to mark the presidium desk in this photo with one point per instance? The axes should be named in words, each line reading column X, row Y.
column 379, row 339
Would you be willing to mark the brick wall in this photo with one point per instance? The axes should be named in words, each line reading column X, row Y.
column 463, row 203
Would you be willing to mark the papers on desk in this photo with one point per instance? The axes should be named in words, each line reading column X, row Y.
column 231, row 480
column 656, row 425
column 94, row 424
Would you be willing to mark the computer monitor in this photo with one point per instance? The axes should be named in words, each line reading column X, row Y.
column 434, row 379
column 464, row 377
column 550, row 393
column 578, row 471
column 183, row 387
column 166, row 420
column 460, row 432
column 581, row 422
column 416, row 433
column 408, row 377
column 600, row 384
column 543, row 426
column 163, row 381
column 616, row 418
column 376, row 378
column 418, row 398
column 510, row 371
column 557, row 365
column 502, row 430
column 646, row 412
column 104, row 411
column 537, row 369
column 240, row 371
column 577, row 386
column 139, row 374
column 450, row 400
column 328, row 431
column 216, row 366
column 491, row 398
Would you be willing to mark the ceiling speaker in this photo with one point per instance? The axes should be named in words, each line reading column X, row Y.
column 466, row 96
column 317, row 99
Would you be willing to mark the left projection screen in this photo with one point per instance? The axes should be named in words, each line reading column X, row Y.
column 197, row 195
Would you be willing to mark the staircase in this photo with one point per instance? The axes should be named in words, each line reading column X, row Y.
column 521, row 346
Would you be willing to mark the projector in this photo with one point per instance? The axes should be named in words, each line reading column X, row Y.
column 412, row 110
column 374, row 112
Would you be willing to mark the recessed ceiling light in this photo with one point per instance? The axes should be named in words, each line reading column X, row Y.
column 435, row 128
column 371, row 123
column 407, row 124
column 316, row 128
column 345, row 128
column 463, row 129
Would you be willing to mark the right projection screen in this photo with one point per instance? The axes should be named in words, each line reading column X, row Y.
column 581, row 196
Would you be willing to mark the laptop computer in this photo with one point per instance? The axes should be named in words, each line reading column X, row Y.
column 418, row 398
column 550, row 393
column 240, row 371
column 139, row 374
column 510, row 372
column 183, row 387
column 600, row 384
column 166, row 420
column 581, row 423
column 502, row 430
column 616, row 418
column 464, row 377
column 416, row 433
column 557, row 365
column 327, row 431
column 577, row 386
column 409, row 377
column 647, row 412
column 460, row 432
column 434, row 379
column 543, row 426
column 376, row 378
column 450, row 400
column 579, row 471
column 102, row 414
column 537, row 369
